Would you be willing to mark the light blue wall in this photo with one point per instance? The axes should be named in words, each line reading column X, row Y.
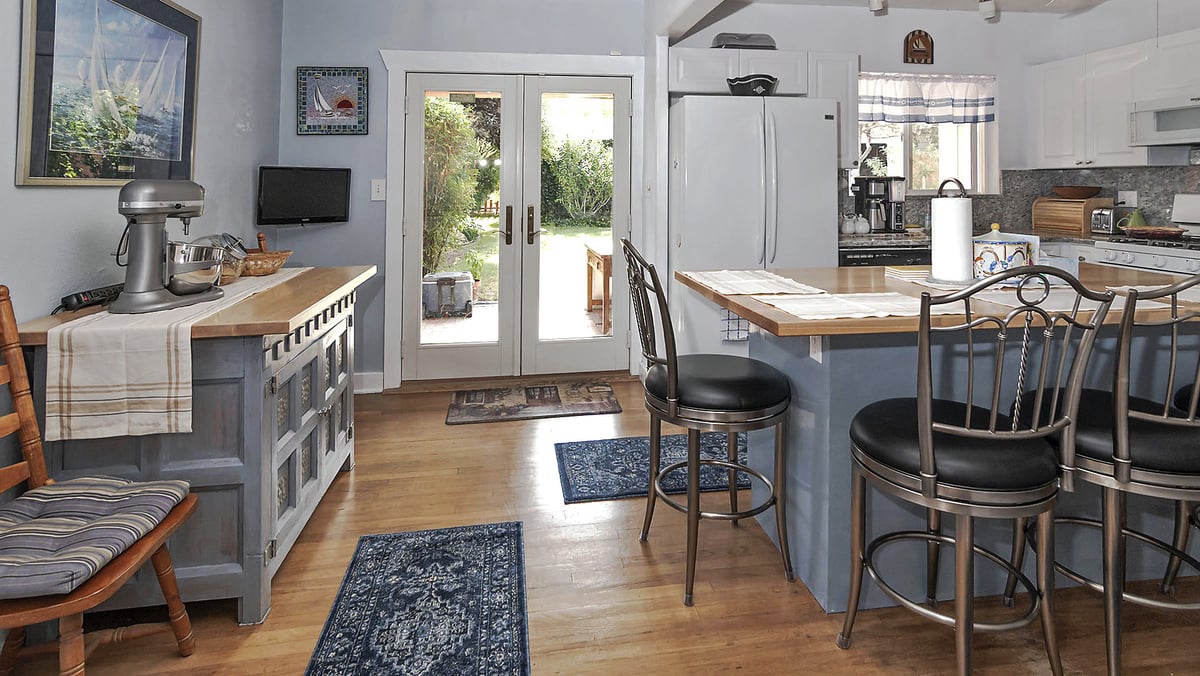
column 58, row 240
column 319, row 32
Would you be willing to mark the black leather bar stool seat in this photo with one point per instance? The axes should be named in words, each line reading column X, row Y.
column 710, row 393
column 1161, row 447
column 887, row 431
column 722, row 383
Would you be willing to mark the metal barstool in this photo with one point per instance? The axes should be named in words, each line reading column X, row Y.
column 1145, row 445
column 705, row 393
column 952, row 449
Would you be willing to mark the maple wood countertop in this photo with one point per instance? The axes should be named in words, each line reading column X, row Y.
column 867, row 279
column 280, row 309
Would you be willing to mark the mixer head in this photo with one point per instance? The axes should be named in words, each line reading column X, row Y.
column 157, row 200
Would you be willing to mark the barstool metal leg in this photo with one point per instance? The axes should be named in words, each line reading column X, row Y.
column 933, row 526
column 1114, row 574
column 1045, row 581
column 858, row 542
column 1183, row 527
column 693, row 511
column 781, row 497
column 1017, row 560
column 964, row 591
column 651, row 494
column 732, row 443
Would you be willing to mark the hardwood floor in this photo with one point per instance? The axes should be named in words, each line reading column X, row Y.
column 599, row 601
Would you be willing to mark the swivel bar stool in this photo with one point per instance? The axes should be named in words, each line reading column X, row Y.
column 710, row 393
column 1133, row 440
column 953, row 449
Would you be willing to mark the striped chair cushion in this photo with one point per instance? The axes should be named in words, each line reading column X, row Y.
column 55, row 537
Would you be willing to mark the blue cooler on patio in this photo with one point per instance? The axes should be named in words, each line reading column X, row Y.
column 446, row 294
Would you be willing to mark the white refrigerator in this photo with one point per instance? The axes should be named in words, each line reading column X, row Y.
column 753, row 185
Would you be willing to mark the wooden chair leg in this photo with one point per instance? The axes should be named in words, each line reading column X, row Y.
column 176, row 612
column 70, row 645
column 13, row 643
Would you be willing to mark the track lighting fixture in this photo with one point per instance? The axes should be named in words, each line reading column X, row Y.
column 875, row 5
column 987, row 9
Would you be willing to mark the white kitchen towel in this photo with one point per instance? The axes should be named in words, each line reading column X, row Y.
column 114, row 375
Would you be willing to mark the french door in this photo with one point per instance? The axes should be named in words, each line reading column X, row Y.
column 516, row 194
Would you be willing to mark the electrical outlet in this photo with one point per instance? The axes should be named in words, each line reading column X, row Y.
column 1127, row 198
column 378, row 189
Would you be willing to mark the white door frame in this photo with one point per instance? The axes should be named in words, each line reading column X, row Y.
column 399, row 64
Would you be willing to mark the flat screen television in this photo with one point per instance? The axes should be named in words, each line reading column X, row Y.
column 302, row 195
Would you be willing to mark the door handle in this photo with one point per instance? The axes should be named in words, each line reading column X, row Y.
column 529, row 231
column 508, row 224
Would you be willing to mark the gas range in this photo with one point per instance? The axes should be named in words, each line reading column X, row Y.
column 1179, row 256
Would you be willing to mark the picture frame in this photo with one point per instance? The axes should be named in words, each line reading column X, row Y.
column 108, row 91
column 331, row 100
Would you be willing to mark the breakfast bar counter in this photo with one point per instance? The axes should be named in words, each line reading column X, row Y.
column 837, row 366
column 272, row 409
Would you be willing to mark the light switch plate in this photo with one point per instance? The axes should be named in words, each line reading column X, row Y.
column 378, row 189
column 1127, row 198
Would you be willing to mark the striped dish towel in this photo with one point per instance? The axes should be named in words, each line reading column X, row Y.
column 115, row 375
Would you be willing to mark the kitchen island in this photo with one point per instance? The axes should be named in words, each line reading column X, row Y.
column 837, row 366
column 273, row 423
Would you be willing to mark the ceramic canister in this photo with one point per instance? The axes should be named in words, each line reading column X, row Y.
column 998, row 255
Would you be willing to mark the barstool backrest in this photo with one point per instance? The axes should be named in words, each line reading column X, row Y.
column 1032, row 355
column 1142, row 350
column 644, row 284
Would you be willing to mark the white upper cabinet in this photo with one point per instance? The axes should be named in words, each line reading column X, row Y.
column 696, row 70
column 835, row 76
column 1080, row 109
column 1171, row 69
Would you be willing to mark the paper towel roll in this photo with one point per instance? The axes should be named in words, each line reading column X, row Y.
column 950, row 240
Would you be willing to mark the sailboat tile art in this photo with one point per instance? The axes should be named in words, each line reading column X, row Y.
column 331, row 100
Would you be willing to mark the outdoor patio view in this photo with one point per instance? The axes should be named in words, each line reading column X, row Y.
column 462, row 229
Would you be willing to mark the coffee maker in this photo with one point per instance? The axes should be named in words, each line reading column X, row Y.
column 880, row 199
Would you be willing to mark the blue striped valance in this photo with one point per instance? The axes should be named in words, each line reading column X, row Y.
column 907, row 97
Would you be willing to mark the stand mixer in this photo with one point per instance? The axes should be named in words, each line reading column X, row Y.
column 161, row 274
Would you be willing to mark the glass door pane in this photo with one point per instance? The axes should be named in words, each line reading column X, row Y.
column 461, row 234
column 576, row 207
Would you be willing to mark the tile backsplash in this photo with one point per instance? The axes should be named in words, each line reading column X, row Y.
column 1012, row 209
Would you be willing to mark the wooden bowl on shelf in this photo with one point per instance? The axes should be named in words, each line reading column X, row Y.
column 1076, row 192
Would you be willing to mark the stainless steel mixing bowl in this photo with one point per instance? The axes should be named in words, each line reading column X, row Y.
column 192, row 268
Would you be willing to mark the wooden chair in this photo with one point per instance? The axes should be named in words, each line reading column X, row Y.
column 72, row 544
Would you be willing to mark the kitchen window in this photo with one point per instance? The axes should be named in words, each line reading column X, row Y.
column 928, row 128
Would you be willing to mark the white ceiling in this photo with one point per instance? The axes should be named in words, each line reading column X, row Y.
column 1058, row 6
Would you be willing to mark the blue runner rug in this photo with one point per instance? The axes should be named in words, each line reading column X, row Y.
column 444, row 601
column 606, row 469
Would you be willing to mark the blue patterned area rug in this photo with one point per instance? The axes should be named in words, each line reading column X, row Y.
column 606, row 469
column 444, row 601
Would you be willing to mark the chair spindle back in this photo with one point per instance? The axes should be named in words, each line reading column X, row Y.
column 23, row 420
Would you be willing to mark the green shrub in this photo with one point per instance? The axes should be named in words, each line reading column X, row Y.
column 450, row 179
column 583, row 172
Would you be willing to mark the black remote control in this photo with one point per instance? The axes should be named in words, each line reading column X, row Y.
column 99, row 296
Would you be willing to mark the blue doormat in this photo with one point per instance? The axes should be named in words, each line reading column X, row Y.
column 606, row 469
column 444, row 601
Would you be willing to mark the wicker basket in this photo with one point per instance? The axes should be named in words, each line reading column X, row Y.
column 259, row 263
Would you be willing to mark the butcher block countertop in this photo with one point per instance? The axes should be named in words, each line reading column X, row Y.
column 871, row 280
column 278, row 310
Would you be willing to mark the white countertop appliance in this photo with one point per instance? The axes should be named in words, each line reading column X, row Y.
column 753, row 185
column 1181, row 256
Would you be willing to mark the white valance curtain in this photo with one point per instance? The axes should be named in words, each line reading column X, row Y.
column 910, row 97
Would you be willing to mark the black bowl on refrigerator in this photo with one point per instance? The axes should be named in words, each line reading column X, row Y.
column 755, row 84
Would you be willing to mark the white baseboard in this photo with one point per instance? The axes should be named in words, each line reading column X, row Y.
column 368, row 383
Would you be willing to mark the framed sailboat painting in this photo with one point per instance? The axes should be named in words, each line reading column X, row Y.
column 331, row 100
column 108, row 91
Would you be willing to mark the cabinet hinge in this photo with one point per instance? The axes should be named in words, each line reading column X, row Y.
column 272, row 550
column 272, row 385
column 350, row 432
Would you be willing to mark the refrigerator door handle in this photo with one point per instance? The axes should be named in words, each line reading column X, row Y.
column 772, row 200
column 760, row 233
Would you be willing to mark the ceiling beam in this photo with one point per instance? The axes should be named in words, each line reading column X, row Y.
column 684, row 15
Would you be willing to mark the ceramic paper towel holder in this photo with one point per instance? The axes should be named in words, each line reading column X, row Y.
column 952, row 249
